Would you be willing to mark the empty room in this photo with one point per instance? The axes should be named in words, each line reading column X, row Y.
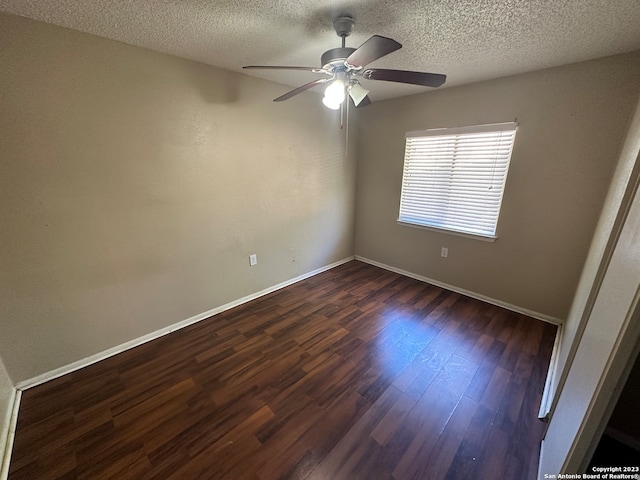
column 319, row 240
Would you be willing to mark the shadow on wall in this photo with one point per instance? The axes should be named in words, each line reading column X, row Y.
column 214, row 85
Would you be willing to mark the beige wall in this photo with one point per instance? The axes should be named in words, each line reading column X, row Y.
column 606, row 233
column 606, row 349
column 572, row 121
column 134, row 186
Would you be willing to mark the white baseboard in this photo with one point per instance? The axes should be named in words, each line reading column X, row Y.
column 72, row 367
column 540, row 475
column 468, row 293
column 547, row 393
column 9, row 432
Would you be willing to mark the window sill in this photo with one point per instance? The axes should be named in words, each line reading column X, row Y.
column 483, row 238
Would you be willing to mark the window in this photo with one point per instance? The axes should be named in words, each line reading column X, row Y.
column 454, row 178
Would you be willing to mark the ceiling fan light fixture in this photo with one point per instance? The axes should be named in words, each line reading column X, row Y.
column 334, row 94
column 358, row 93
column 330, row 104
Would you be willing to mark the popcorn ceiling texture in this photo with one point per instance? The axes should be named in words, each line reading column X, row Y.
column 469, row 40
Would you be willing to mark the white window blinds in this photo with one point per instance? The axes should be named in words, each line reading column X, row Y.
column 454, row 177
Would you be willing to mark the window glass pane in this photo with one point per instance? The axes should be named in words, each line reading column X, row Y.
column 454, row 178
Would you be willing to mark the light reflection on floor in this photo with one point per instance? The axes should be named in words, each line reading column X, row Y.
column 401, row 340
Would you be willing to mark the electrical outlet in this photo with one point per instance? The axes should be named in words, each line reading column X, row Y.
column 253, row 259
column 444, row 252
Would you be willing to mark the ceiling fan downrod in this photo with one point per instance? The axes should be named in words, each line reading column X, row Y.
column 343, row 26
column 335, row 57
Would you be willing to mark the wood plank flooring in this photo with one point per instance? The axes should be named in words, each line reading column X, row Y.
column 356, row 373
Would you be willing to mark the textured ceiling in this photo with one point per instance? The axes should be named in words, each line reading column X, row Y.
column 469, row 40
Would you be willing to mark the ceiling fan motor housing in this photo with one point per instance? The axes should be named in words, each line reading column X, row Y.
column 335, row 55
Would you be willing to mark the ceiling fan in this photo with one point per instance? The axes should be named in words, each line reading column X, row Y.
column 344, row 65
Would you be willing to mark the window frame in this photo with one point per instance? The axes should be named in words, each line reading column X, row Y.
column 453, row 135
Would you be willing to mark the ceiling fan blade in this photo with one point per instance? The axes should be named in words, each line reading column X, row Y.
column 374, row 48
column 301, row 89
column 276, row 67
column 405, row 76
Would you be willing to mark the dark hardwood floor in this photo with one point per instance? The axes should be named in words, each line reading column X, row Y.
column 356, row 373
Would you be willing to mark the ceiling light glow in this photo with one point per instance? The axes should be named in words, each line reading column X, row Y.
column 334, row 95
